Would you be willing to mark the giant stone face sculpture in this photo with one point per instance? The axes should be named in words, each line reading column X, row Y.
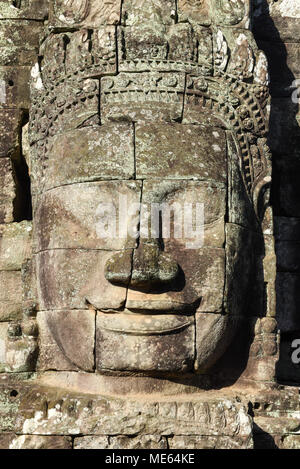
column 155, row 106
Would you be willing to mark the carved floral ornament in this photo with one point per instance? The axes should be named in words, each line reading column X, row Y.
column 223, row 67
column 229, row 12
column 76, row 11
column 222, row 12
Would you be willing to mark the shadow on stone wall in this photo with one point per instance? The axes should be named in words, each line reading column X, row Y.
column 277, row 37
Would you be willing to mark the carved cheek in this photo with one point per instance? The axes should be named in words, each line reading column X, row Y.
column 72, row 249
column 73, row 279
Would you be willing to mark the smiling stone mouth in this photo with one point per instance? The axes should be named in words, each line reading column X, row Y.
column 144, row 324
column 148, row 308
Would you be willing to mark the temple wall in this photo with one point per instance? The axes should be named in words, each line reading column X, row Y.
column 21, row 25
column 276, row 29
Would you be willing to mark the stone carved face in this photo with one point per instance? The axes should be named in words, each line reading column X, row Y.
column 160, row 305
column 149, row 304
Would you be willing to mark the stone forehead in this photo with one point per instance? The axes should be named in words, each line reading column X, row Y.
column 145, row 151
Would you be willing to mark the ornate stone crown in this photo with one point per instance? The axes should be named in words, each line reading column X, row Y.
column 98, row 63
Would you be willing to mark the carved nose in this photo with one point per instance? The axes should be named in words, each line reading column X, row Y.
column 151, row 268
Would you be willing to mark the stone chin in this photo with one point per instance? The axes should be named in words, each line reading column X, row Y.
column 168, row 343
column 153, row 344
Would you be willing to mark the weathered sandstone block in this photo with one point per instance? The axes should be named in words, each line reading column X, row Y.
column 30, row 442
column 139, row 97
column 15, row 245
column 209, row 442
column 3, row 334
column 66, row 340
column 121, row 442
column 214, row 333
column 7, row 191
column 154, row 11
column 10, row 295
column 173, row 151
column 79, row 280
column 204, row 290
column 130, row 343
column 95, row 153
column 88, row 14
column 88, row 216
column 29, row 9
column 15, row 87
column 10, row 121
column 19, row 42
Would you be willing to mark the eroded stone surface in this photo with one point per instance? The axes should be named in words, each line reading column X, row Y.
column 66, row 340
column 272, row 18
column 245, row 263
column 121, row 442
column 10, row 295
column 10, row 120
column 31, row 442
column 200, row 290
column 142, row 97
column 68, row 414
column 173, row 151
column 209, row 442
column 89, row 13
column 91, row 154
column 143, row 90
column 15, row 245
column 179, row 203
column 218, row 12
column 3, row 334
column 30, row 9
column 132, row 343
column 178, row 47
column 214, row 333
column 154, row 11
column 195, row 11
column 8, row 191
column 87, row 216
column 15, row 84
column 14, row 49
column 78, row 281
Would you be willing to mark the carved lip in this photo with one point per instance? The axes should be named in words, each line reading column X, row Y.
column 144, row 324
column 162, row 306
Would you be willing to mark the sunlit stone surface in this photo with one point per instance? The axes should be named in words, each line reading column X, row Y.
column 118, row 328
